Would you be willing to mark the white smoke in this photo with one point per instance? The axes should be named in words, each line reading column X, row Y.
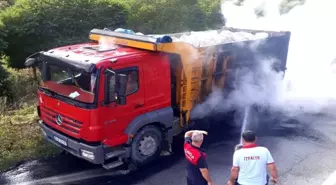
column 311, row 48
column 106, row 43
column 212, row 37
column 309, row 80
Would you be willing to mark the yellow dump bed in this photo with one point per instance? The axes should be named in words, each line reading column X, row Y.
column 205, row 65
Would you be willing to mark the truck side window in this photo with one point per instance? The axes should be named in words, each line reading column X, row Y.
column 132, row 82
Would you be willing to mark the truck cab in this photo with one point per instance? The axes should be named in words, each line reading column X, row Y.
column 93, row 108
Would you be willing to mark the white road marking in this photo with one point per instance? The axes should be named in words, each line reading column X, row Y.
column 331, row 180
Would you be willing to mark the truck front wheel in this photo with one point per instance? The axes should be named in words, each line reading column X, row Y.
column 146, row 145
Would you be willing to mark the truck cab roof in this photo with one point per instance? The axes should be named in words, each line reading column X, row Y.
column 93, row 53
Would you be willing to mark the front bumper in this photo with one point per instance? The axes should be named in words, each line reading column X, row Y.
column 73, row 146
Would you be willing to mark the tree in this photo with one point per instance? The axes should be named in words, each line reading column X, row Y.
column 44, row 24
column 3, row 43
column 170, row 16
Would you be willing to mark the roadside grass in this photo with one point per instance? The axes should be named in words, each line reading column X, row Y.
column 21, row 137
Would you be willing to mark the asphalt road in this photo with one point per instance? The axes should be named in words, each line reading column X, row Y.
column 303, row 151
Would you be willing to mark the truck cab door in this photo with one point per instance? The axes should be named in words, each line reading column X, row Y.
column 116, row 116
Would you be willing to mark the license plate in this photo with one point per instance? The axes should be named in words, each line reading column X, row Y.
column 61, row 141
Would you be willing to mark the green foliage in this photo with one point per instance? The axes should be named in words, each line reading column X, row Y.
column 31, row 26
column 214, row 16
column 23, row 86
column 3, row 33
column 43, row 24
column 6, row 3
column 4, row 82
column 170, row 16
column 17, row 87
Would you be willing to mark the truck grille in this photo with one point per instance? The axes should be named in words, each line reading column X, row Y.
column 65, row 122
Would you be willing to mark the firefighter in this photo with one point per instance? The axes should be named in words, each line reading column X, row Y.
column 197, row 168
column 251, row 162
column 238, row 147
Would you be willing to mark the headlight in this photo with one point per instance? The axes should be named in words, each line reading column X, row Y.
column 87, row 154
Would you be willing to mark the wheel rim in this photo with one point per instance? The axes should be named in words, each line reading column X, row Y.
column 147, row 146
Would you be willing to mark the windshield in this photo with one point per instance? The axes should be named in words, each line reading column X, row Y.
column 78, row 85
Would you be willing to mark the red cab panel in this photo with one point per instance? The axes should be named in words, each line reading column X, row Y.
column 152, row 92
column 69, row 119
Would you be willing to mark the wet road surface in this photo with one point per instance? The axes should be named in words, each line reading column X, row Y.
column 303, row 151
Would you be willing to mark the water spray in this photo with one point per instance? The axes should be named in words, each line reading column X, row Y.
column 247, row 111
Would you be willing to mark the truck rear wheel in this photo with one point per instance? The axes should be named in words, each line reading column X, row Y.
column 146, row 145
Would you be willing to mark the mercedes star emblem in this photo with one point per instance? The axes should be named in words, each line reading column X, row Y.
column 59, row 119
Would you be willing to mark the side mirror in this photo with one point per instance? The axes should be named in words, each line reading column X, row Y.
column 121, row 84
column 45, row 75
column 30, row 62
column 108, row 74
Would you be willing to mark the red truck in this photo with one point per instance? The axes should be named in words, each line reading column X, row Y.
column 124, row 103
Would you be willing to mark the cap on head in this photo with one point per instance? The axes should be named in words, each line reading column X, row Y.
column 249, row 136
column 197, row 137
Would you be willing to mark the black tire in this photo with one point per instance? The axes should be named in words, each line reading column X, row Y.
column 147, row 134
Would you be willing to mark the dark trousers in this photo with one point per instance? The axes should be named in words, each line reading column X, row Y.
column 193, row 182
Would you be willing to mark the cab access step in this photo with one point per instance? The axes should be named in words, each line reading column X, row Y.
column 114, row 154
column 113, row 164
